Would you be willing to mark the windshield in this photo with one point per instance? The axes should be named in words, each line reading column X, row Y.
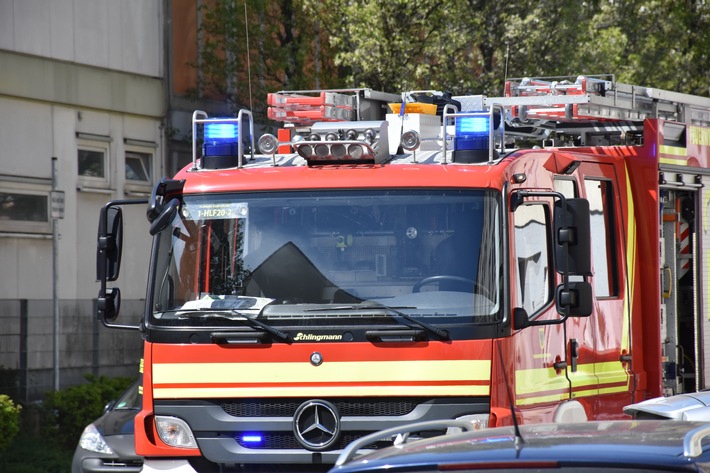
column 434, row 255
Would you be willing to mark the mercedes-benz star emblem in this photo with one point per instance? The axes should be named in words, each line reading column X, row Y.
column 316, row 424
column 316, row 358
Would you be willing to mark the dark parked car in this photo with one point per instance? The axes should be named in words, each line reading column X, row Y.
column 107, row 443
column 627, row 446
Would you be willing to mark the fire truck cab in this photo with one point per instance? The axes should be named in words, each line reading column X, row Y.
column 390, row 258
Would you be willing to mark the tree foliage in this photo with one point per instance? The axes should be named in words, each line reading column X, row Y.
column 465, row 46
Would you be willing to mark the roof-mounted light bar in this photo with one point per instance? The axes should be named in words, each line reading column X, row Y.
column 363, row 142
column 223, row 140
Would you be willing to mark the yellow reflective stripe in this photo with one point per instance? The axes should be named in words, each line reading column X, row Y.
column 584, row 376
column 371, row 371
column 699, row 136
column 539, row 380
column 419, row 377
column 542, row 399
column 289, row 391
column 544, row 381
column 631, row 250
column 674, row 150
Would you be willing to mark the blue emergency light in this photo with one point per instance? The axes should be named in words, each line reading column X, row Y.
column 473, row 135
column 221, row 132
column 473, row 127
column 252, row 439
column 220, row 148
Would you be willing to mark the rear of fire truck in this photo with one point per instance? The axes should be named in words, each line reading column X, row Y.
column 300, row 300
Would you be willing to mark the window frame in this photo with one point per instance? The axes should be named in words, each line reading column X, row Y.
column 103, row 146
column 22, row 187
column 136, row 186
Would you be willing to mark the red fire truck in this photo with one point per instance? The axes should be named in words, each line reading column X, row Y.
column 396, row 258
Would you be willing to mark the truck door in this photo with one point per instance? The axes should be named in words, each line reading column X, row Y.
column 540, row 380
column 602, row 342
column 579, row 340
column 680, row 330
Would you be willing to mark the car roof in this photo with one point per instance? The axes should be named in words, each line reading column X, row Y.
column 687, row 406
column 575, row 445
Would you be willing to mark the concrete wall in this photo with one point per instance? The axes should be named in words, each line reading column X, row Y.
column 85, row 347
column 74, row 74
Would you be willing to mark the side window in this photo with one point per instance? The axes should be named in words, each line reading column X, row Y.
column 532, row 243
column 93, row 162
column 599, row 194
column 566, row 187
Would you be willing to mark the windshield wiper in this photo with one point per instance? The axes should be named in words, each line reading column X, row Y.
column 250, row 320
column 439, row 332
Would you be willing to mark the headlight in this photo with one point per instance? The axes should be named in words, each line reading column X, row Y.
column 92, row 440
column 175, row 432
column 479, row 422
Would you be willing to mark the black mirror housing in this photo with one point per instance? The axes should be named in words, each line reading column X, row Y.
column 572, row 237
column 109, row 305
column 110, row 243
column 167, row 214
column 576, row 300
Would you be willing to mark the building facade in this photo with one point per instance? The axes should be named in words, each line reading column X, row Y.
column 84, row 82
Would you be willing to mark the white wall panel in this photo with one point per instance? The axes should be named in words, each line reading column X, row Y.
column 91, row 32
column 32, row 27
column 7, row 25
column 141, row 31
column 62, row 29
column 26, row 138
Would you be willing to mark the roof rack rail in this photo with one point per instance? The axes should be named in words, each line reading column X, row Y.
column 599, row 98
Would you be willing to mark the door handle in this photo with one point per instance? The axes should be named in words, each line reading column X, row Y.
column 574, row 353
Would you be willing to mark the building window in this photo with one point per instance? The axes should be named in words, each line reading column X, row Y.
column 93, row 163
column 139, row 167
column 24, row 208
column 532, row 242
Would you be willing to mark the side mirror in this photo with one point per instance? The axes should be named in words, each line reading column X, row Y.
column 576, row 300
column 108, row 261
column 167, row 214
column 572, row 237
column 109, row 305
column 110, row 243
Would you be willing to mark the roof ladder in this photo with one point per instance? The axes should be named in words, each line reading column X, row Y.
column 598, row 98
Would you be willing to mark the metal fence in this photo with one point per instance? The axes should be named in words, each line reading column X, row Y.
column 27, row 355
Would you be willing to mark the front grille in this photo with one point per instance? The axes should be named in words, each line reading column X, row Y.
column 286, row 440
column 372, row 407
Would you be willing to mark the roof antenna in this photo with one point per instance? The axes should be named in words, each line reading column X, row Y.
column 507, row 57
column 519, row 441
column 246, row 27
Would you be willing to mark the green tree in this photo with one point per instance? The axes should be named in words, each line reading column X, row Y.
column 249, row 49
column 466, row 46
column 9, row 421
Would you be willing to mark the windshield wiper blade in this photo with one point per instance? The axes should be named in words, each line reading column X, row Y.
column 439, row 332
column 248, row 318
column 280, row 334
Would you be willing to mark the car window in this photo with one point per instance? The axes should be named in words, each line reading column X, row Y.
column 129, row 399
